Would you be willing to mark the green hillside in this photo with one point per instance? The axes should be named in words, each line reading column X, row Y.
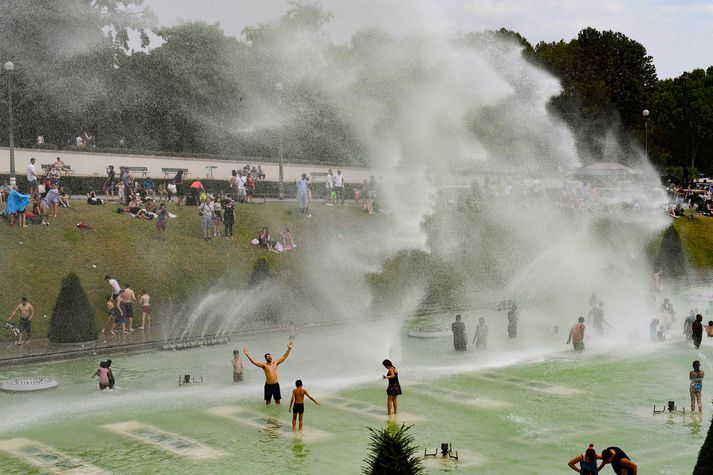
column 35, row 259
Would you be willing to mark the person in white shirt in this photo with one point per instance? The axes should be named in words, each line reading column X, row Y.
column 241, row 187
column 329, row 183
column 32, row 176
column 339, row 186
column 115, row 287
column 206, row 210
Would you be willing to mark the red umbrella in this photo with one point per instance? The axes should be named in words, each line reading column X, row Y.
column 197, row 185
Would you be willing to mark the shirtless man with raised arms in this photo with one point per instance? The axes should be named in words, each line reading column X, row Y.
column 272, row 387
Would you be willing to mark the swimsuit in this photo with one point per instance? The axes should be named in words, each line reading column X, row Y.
column 128, row 310
column 591, row 465
column 696, row 381
column 146, row 309
column 25, row 325
column 616, row 460
column 103, row 378
column 298, row 408
column 272, row 390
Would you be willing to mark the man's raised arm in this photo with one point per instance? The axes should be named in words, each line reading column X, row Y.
column 287, row 353
column 259, row 365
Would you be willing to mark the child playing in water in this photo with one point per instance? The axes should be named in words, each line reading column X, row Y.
column 103, row 373
column 111, row 374
column 145, row 301
column 709, row 329
column 298, row 399
column 237, row 367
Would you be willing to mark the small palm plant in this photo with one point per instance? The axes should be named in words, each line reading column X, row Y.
column 392, row 451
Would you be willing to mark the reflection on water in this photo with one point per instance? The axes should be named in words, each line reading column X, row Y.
column 694, row 424
column 299, row 451
column 271, row 430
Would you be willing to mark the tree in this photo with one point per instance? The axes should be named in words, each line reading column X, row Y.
column 64, row 52
column 689, row 96
column 392, row 451
column 607, row 80
column 72, row 317
column 261, row 272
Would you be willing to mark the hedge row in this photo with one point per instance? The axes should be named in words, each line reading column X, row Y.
column 81, row 185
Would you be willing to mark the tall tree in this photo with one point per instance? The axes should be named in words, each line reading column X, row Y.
column 63, row 51
column 607, row 80
column 668, row 138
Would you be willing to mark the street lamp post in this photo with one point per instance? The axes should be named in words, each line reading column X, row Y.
column 281, row 184
column 8, row 68
column 645, row 113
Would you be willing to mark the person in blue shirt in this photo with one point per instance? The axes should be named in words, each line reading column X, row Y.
column 587, row 462
column 149, row 187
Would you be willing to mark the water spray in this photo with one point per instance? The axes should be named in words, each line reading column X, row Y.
column 195, row 343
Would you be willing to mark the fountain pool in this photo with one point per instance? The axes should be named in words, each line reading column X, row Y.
column 520, row 407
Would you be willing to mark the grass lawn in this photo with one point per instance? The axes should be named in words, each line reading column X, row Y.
column 697, row 240
column 37, row 258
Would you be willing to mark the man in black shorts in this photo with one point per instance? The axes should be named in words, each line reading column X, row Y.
column 272, row 387
column 26, row 311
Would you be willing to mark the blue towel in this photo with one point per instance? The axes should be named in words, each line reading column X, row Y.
column 16, row 202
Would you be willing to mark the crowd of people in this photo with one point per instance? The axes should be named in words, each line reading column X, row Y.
column 45, row 195
column 689, row 199
column 120, row 308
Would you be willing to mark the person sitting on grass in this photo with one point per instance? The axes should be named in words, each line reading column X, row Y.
column 287, row 242
column 93, row 200
column 263, row 238
column 135, row 209
column 38, row 206
column 64, row 198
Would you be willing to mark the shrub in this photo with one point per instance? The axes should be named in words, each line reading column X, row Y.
column 392, row 451
column 72, row 316
column 261, row 272
column 704, row 466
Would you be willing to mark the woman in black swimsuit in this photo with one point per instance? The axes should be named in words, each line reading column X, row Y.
column 394, row 388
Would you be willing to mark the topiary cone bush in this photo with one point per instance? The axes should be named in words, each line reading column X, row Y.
column 261, row 272
column 392, row 451
column 704, row 466
column 266, row 311
column 72, row 316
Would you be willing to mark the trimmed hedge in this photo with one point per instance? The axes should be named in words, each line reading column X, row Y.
column 81, row 185
column 704, row 465
column 72, row 317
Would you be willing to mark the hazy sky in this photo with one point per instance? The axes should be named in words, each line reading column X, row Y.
column 677, row 33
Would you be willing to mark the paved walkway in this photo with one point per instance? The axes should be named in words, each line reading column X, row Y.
column 95, row 164
column 41, row 349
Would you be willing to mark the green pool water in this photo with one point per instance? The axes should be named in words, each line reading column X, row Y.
column 523, row 407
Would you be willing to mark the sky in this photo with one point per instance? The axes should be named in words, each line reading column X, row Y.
column 678, row 34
